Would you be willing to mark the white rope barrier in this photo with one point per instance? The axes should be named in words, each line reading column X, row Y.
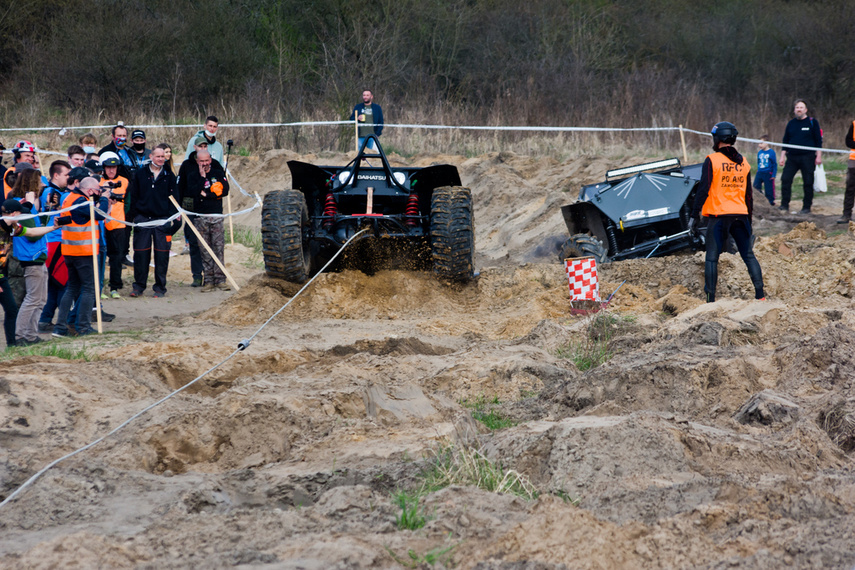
column 517, row 128
column 242, row 345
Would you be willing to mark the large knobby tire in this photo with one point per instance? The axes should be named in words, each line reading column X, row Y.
column 452, row 235
column 284, row 216
column 583, row 245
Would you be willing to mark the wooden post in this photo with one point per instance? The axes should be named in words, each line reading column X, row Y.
column 207, row 247
column 683, row 142
column 356, row 129
column 96, row 246
column 231, row 226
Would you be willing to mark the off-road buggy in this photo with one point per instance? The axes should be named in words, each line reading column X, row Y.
column 417, row 218
column 639, row 211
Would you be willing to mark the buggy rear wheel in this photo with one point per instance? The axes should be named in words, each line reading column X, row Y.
column 583, row 245
column 284, row 221
column 452, row 235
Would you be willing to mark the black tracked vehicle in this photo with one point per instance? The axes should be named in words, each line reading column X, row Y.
column 418, row 218
column 639, row 211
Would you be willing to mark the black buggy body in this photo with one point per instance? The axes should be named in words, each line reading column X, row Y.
column 638, row 211
column 416, row 218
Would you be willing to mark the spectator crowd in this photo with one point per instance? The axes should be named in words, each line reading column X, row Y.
column 92, row 208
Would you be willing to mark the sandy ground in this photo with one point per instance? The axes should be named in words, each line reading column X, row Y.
column 717, row 436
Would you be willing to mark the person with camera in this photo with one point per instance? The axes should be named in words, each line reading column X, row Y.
column 29, row 247
column 725, row 198
column 77, row 248
column 117, row 231
column 146, row 200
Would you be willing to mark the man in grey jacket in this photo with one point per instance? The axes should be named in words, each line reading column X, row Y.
column 215, row 147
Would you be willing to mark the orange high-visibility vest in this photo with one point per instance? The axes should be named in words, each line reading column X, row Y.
column 77, row 238
column 852, row 152
column 117, row 210
column 7, row 190
column 727, row 188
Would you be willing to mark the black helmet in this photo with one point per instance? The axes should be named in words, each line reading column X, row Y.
column 724, row 132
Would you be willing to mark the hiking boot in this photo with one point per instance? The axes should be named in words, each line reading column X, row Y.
column 804, row 211
column 843, row 220
column 87, row 332
column 783, row 207
column 25, row 342
column 197, row 282
column 45, row 327
column 223, row 286
column 208, row 288
column 105, row 316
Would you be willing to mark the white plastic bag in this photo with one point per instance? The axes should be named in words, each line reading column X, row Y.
column 819, row 182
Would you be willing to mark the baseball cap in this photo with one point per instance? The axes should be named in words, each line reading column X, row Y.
column 137, row 134
column 78, row 173
column 12, row 205
column 200, row 140
column 22, row 166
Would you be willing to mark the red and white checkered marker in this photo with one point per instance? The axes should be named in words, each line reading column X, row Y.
column 582, row 274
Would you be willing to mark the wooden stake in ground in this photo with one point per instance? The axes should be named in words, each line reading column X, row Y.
column 207, row 247
column 229, row 208
column 683, row 141
column 356, row 129
column 96, row 245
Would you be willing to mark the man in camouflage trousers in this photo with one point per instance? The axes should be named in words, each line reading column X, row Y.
column 204, row 179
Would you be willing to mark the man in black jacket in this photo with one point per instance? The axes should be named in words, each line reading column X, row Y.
column 801, row 131
column 203, row 180
column 147, row 199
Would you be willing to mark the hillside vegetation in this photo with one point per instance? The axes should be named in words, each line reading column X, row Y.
column 478, row 61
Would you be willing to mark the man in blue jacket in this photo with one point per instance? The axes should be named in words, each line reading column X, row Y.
column 370, row 115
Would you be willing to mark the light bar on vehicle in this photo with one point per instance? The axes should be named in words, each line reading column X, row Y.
column 660, row 164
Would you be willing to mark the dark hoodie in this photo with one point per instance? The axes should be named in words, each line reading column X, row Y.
column 706, row 179
column 191, row 184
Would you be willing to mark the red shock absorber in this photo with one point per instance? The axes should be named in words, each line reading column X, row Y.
column 330, row 210
column 412, row 211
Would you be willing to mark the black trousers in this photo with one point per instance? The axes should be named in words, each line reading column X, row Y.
column 849, row 195
column 117, row 245
column 807, row 164
column 146, row 239
column 10, row 311
column 718, row 228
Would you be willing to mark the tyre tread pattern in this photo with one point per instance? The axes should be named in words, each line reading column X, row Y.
column 452, row 233
column 584, row 245
column 283, row 215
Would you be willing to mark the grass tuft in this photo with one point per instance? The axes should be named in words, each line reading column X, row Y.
column 251, row 238
column 412, row 515
column 593, row 349
column 416, row 560
column 482, row 412
column 54, row 349
column 467, row 466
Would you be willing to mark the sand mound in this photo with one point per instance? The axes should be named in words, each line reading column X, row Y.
column 663, row 432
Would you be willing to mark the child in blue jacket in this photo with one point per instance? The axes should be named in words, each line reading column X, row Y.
column 767, row 168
